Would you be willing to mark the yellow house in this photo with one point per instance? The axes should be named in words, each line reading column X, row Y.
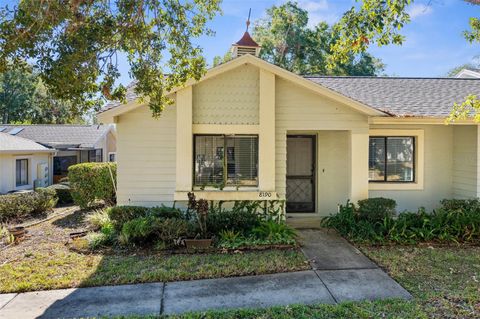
column 249, row 130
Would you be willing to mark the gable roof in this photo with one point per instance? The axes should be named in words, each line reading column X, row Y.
column 61, row 136
column 113, row 109
column 468, row 73
column 375, row 96
column 404, row 97
column 14, row 144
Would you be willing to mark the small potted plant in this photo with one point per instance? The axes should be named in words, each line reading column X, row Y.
column 200, row 207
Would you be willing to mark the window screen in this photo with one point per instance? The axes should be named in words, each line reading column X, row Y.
column 391, row 159
column 227, row 160
column 21, row 172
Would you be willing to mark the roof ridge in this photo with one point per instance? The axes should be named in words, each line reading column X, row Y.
column 385, row 77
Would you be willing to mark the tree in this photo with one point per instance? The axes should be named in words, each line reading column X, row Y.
column 475, row 64
column 75, row 45
column 380, row 22
column 288, row 42
column 25, row 99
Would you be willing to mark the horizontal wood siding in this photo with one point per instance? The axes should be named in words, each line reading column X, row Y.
column 300, row 110
column 146, row 157
column 465, row 161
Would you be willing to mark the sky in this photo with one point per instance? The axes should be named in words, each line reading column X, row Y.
column 434, row 41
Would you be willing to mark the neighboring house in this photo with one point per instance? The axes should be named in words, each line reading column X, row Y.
column 468, row 74
column 23, row 163
column 72, row 143
column 249, row 130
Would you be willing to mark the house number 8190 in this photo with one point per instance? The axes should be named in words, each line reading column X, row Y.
column 265, row 194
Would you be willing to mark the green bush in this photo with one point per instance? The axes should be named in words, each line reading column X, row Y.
column 99, row 219
column 90, row 182
column 242, row 221
column 462, row 204
column 272, row 230
column 22, row 205
column 376, row 209
column 64, row 193
column 123, row 214
column 442, row 225
column 150, row 229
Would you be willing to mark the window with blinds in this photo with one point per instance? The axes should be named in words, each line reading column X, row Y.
column 392, row 159
column 21, row 172
column 230, row 160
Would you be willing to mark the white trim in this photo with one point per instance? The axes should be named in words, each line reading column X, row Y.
column 466, row 74
column 418, row 120
column 29, row 172
column 419, row 160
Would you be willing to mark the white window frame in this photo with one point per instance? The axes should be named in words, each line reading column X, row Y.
column 108, row 157
column 29, row 185
column 419, row 162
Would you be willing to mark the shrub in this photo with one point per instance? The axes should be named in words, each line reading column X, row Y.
column 98, row 240
column 272, row 230
column 99, row 219
column 63, row 192
column 462, row 204
column 376, row 209
column 120, row 215
column 21, row 205
column 242, row 221
column 90, row 182
column 149, row 229
column 165, row 212
column 444, row 225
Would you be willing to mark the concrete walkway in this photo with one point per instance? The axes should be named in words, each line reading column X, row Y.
column 341, row 273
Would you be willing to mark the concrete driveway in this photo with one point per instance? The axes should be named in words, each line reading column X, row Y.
column 340, row 273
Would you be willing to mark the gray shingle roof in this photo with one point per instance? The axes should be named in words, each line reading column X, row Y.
column 420, row 97
column 61, row 136
column 12, row 144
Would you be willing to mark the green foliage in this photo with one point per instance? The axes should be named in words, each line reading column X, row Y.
column 91, row 182
column 468, row 108
column 22, row 205
column 370, row 22
column 76, row 45
column 63, row 192
column 99, row 219
column 236, row 220
column 123, row 214
column 376, row 209
column 289, row 42
column 25, row 99
column 461, row 204
column 456, row 221
column 272, row 230
column 150, row 229
column 98, row 240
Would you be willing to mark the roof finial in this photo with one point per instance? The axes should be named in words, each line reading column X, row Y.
column 248, row 20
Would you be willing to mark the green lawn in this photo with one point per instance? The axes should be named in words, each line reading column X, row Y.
column 43, row 261
column 444, row 281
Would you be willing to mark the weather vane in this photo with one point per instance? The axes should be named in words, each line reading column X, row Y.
column 248, row 20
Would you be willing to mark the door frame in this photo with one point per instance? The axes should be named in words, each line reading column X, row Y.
column 314, row 159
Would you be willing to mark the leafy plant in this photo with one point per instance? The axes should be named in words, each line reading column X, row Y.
column 139, row 230
column 22, row 205
column 272, row 230
column 237, row 220
column 90, row 182
column 200, row 208
column 99, row 219
column 376, row 209
column 63, row 192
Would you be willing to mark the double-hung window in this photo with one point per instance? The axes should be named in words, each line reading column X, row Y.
column 392, row 159
column 21, row 172
column 228, row 160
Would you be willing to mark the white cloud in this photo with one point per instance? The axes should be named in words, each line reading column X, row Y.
column 418, row 10
column 318, row 11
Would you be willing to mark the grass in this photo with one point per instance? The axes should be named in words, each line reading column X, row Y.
column 445, row 283
column 44, row 262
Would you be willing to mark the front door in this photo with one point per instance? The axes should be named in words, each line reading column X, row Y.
column 301, row 173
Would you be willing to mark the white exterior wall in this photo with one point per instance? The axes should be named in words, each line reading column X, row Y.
column 300, row 111
column 438, row 164
column 7, row 169
column 146, row 157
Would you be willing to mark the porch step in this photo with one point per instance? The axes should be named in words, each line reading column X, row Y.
column 312, row 222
